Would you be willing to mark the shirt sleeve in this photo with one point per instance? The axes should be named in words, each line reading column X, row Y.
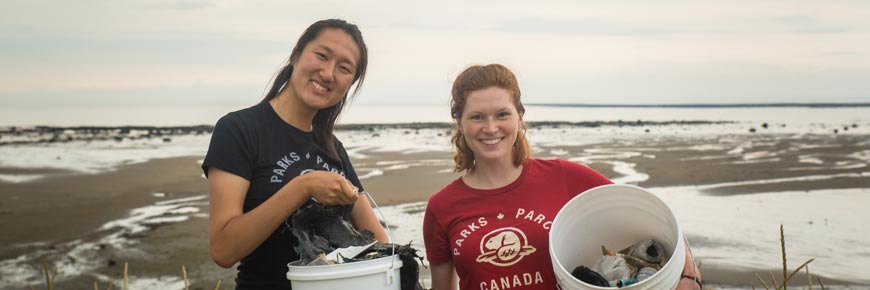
column 228, row 150
column 579, row 177
column 435, row 238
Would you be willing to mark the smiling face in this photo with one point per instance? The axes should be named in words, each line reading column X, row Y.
column 490, row 124
column 324, row 70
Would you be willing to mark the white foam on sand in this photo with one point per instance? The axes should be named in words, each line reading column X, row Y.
column 389, row 162
column 19, row 178
column 810, row 158
column 610, row 156
column 707, row 157
column 706, row 147
column 735, row 151
column 406, row 223
column 184, row 210
column 397, row 140
column 380, row 167
column 760, row 155
column 101, row 155
column 135, row 223
column 79, row 257
column 861, row 155
column 355, row 152
column 629, row 174
column 17, row 273
column 369, row 173
column 837, row 166
column 785, row 179
column 754, row 161
column 397, row 167
column 164, row 220
column 183, row 200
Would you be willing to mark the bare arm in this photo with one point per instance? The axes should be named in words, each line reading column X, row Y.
column 234, row 234
column 363, row 218
column 444, row 277
column 690, row 270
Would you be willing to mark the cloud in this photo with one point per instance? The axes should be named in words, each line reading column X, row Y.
column 568, row 51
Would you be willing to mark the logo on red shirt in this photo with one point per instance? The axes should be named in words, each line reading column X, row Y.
column 504, row 247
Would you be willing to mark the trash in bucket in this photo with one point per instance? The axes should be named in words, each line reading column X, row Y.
column 339, row 255
column 648, row 250
column 589, row 276
column 324, row 238
column 613, row 268
column 320, row 230
column 630, row 265
column 619, row 217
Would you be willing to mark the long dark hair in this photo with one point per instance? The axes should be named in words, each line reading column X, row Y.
column 324, row 119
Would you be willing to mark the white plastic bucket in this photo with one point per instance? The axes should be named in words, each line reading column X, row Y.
column 375, row 274
column 615, row 216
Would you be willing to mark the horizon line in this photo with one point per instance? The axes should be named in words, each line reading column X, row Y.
column 700, row 105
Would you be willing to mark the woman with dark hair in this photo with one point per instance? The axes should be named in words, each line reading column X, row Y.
column 267, row 161
column 490, row 227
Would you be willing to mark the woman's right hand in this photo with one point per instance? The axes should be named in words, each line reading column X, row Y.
column 327, row 187
column 234, row 234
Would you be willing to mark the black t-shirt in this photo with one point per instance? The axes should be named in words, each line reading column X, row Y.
column 256, row 144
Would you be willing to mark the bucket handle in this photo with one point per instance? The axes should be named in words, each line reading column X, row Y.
column 387, row 226
column 391, row 274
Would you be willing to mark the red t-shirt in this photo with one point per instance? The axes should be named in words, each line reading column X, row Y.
column 498, row 238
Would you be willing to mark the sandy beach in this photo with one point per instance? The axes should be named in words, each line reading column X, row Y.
column 153, row 215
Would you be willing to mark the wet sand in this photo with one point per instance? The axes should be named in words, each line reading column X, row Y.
column 45, row 213
column 61, row 207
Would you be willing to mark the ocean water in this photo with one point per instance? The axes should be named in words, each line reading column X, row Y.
column 370, row 114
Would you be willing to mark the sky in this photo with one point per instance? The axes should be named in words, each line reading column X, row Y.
column 197, row 53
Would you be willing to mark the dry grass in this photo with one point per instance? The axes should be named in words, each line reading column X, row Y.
column 785, row 276
column 50, row 275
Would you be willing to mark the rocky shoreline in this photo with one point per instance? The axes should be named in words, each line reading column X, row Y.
column 49, row 134
column 18, row 135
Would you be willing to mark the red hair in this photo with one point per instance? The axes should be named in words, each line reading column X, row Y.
column 475, row 78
